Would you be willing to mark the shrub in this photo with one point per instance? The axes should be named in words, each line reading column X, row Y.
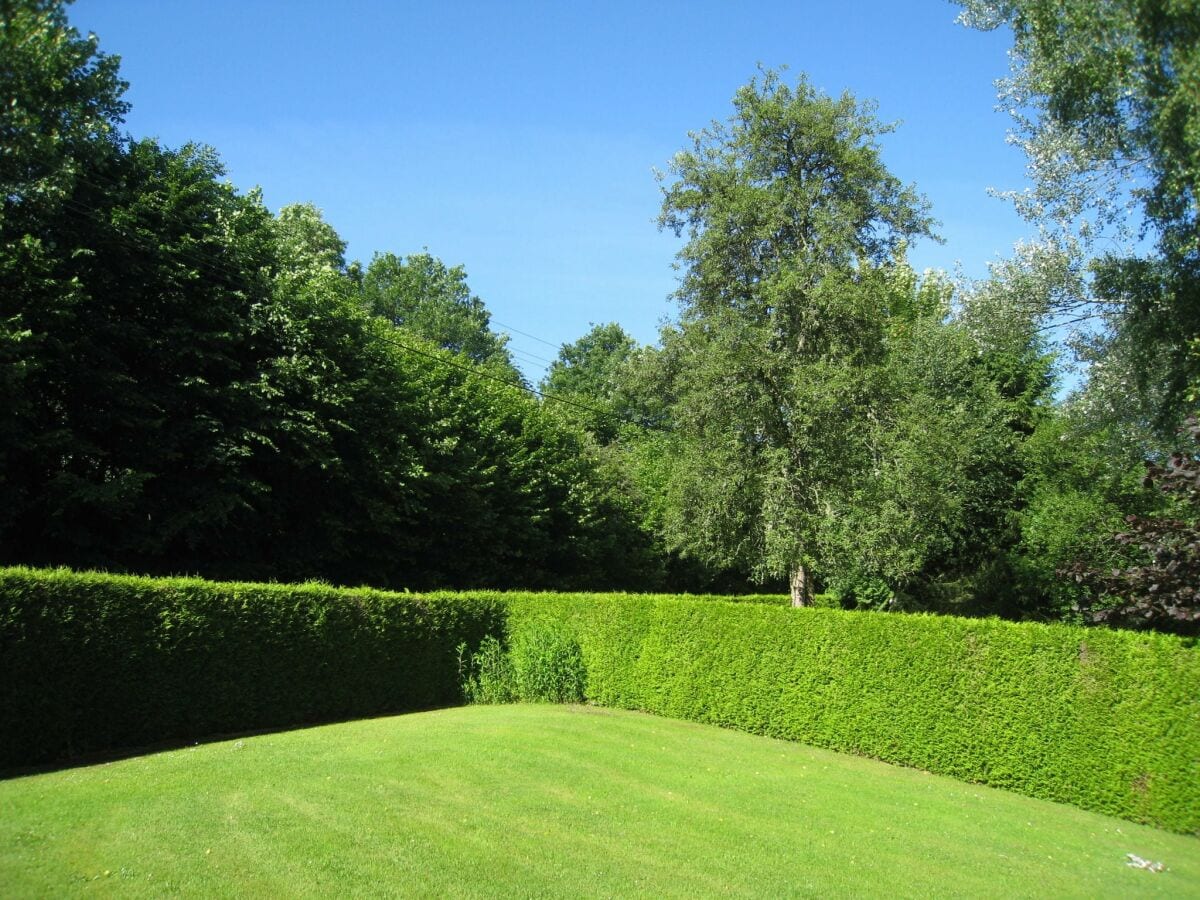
column 547, row 664
column 487, row 673
column 1107, row 720
column 544, row 665
column 94, row 662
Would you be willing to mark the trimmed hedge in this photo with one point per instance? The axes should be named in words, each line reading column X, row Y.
column 1106, row 720
column 92, row 662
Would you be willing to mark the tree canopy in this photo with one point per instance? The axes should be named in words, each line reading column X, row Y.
column 789, row 282
column 421, row 294
column 1105, row 100
column 191, row 383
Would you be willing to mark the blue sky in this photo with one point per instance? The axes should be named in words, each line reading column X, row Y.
column 520, row 139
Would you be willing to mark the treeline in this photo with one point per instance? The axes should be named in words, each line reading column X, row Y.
column 192, row 384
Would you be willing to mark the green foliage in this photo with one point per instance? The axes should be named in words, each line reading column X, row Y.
column 547, row 664
column 1106, row 720
column 141, row 297
column 1107, row 87
column 1078, row 485
column 543, row 665
column 60, row 103
column 307, row 243
column 832, row 420
column 592, row 371
column 487, row 674
column 94, row 662
column 1161, row 590
column 1104, row 96
column 421, row 295
column 192, row 385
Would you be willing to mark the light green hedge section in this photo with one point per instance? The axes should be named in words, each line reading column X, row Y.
column 1105, row 720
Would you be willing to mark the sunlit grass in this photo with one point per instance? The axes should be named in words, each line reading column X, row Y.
column 552, row 801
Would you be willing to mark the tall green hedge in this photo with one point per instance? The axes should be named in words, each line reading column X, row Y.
column 1106, row 720
column 93, row 662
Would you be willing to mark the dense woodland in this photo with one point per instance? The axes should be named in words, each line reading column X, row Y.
column 191, row 383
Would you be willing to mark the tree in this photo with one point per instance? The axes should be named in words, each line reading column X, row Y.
column 1158, row 586
column 1106, row 108
column 60, row 111
column 419, row 293
column 140, row 395
column 591, row 371
column 1075, row 490
column 792, row 222
column 60, row 101
column 306, row 243
column 193, row 385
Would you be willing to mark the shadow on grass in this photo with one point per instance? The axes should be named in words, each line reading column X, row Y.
column 116, row 754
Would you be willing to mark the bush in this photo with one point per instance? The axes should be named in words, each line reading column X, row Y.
column 94, row 662
column 488, row 673
column 544, row 665
column 547, row 664
column 1107, row 720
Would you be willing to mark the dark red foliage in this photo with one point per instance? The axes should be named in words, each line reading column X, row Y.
column 1162, row 591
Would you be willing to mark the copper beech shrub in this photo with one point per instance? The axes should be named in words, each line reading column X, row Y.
column 1161, row 591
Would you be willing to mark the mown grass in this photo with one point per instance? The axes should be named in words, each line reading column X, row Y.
column 530, row 801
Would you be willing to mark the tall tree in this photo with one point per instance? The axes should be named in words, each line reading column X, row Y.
column 60, row 110
column 1105, row 100
column 141, row 398
column 792, row 219
column 60, row 101
column 592, row 371
column 421, row 294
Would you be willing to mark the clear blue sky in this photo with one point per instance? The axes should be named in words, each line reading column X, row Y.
column 519, row 138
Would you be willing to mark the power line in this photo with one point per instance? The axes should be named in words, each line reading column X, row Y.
column 532, row 356
column 475, row 370
column 527, row 334
column 221, row 268
column 526, row 357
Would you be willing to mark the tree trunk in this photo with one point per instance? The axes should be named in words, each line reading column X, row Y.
column 801, row 587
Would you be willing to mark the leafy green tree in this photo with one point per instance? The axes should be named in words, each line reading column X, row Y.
column 306, row 244
column 60, row 102
column 191, row 384
column 344, row 460
column 140, row 396
column 592, row 371
column 1106, row 107
column 1074, row 494
column 420, row 294
column 60, row 110
column 792, row 221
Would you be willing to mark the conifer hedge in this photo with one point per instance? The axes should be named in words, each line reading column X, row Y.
column 1105, row 720
column 92, row 662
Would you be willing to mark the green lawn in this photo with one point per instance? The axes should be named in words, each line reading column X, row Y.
column 533, row 801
